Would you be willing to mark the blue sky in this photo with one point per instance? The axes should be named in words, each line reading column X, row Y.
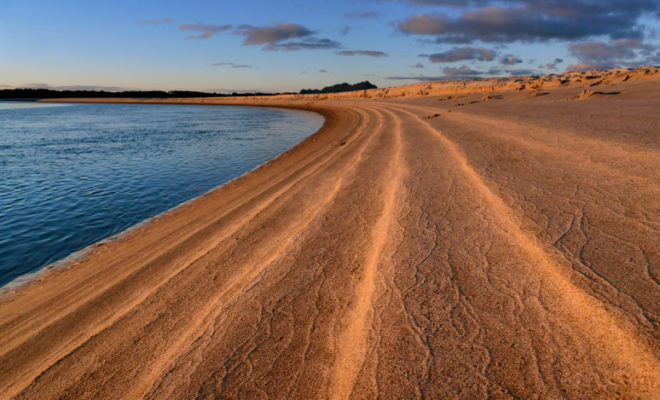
column 287, row 45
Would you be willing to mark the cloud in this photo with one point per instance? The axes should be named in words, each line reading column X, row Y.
column 75, row 87
column 156, row 21
column 363, row 14
column 230, row 91
column 515, row 72
column 453, row 75
column 460, row 71
column 416, row 78
column 231, row 64
column 580, row 66
column 599, row 54
column 553, row 65
column 425, row 24
column 529, row 21
column 305, row 44
column 462, row 54
column 345, row 30
column 279, row 37
column 511, row 72
column 418, row 65
column 207, row 30
column 450, row 3
column 652, row 59
column 323, row 71
column 510, row 60
column 37, row 86
column 370, row 53
column 272, row 34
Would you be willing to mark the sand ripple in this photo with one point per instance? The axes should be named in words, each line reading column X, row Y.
column 489, row 247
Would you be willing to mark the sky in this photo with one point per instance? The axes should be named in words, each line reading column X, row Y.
column 288, row 45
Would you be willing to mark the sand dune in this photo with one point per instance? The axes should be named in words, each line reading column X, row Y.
column 429, row 241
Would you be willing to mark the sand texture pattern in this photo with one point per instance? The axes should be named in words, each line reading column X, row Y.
column 429, row 241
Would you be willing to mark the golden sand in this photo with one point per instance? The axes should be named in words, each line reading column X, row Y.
column 492, row 238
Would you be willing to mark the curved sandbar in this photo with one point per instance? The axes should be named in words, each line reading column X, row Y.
column 501, row 244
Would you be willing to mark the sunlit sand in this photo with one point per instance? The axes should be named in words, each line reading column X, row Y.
column 453, row 239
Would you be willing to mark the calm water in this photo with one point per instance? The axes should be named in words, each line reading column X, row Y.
column 72, row 174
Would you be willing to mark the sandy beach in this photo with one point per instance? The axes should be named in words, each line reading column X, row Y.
column 475, row 239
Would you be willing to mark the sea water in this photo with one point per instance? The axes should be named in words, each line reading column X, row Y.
column 73, row 174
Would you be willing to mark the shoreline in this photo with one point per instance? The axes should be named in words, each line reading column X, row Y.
column 500, row 245
column 78, row 255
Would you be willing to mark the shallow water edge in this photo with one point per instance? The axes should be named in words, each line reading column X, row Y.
column 78, row 255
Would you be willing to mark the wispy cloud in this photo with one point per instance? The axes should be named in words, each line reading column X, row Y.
column 75, row 87
column 449, row 3
column 231, row 64
column 552, row 65
column 363, row 14
column 462, row 54
column 156, row 21
column 305, row 44
column 510, row 60
column 230, row 91
column 512, row 72
column 284, row 36
column 450, row 73
column 272, row 34
column 416, row 78
column 369, row 53
column 206, row 30
column 460, row 71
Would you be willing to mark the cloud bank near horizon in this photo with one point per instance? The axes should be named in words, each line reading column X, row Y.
column 599, row 34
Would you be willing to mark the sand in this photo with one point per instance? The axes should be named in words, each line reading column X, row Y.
column 468, row 239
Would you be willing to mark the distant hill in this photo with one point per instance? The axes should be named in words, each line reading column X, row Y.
column 341, row 87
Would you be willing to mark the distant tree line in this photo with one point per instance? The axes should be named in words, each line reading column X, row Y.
column 27, row 94
column 341, row 87
column 58, row 94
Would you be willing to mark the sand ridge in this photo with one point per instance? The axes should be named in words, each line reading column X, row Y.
column 606, row 330
column 353, row 338
column 427, row 242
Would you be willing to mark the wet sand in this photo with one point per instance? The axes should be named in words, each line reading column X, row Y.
column 429, row 241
